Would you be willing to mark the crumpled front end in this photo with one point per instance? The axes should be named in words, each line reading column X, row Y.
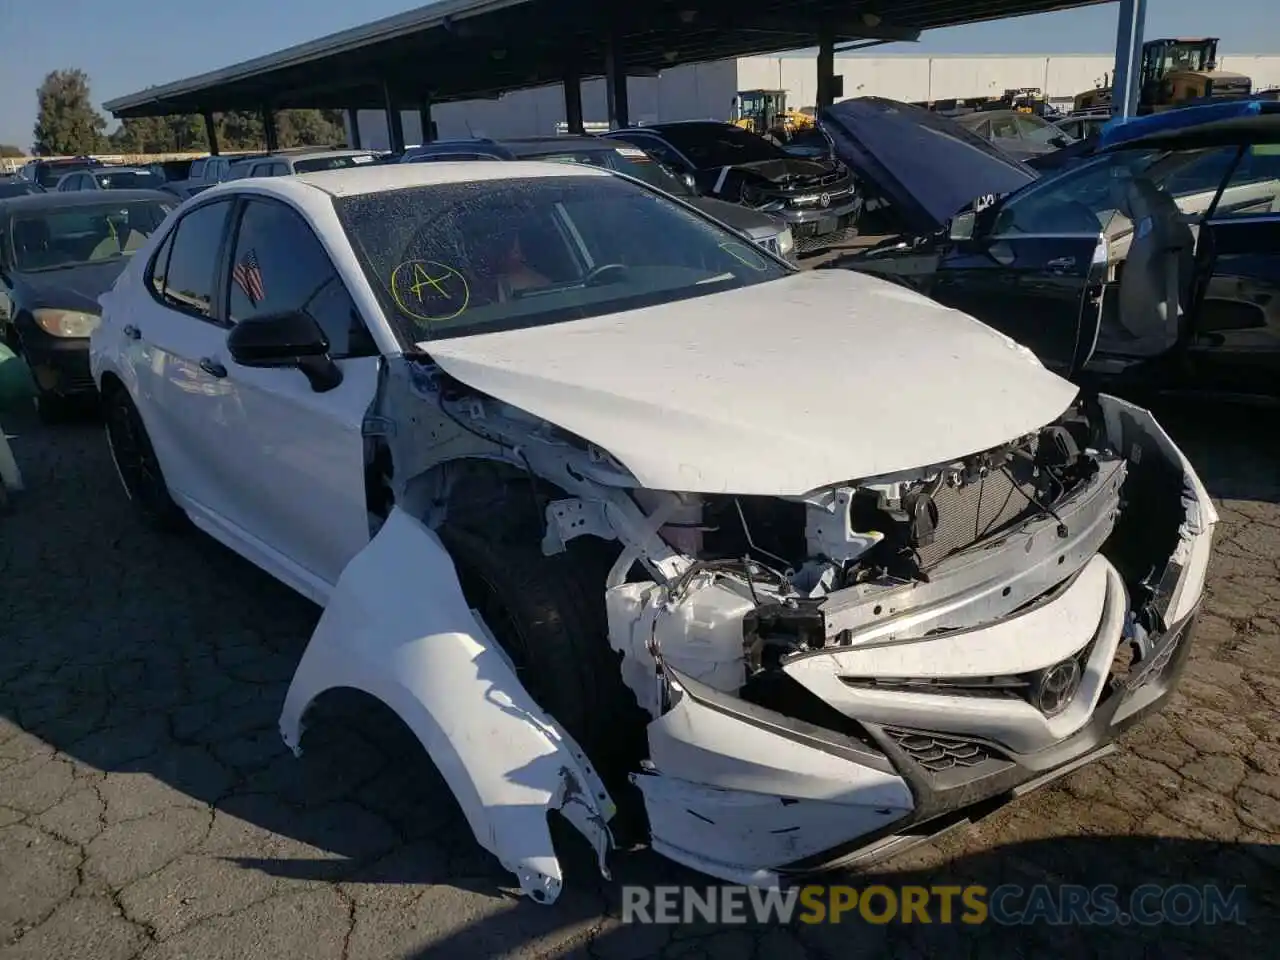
column 821, row 678
column 916, row 707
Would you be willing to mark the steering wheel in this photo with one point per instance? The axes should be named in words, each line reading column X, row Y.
column 605, row 273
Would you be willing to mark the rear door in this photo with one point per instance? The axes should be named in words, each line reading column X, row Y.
column 172, row 336
column 1234, row 344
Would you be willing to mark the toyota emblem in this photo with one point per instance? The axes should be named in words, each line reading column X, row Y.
column 1057, row 687
column 825, row 199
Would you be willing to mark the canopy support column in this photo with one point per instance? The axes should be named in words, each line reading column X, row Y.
column 573, row 99
column 395, row 123
column 1126, row 81
column 615, row 70
column 211, row 132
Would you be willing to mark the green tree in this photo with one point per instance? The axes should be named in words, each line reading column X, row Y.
column 174, row 134
column 240, row 130
column 309, row 128
column 66, row 122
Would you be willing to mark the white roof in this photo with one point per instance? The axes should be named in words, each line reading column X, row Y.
column 352, row 181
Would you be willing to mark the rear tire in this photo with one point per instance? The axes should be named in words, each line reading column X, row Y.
column 137, row 465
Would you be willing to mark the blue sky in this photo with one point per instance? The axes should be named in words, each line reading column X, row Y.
column 126, row 45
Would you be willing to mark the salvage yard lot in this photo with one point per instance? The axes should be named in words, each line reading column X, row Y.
column 148, row 807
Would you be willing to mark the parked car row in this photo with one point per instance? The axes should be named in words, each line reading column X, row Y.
column 614, row 506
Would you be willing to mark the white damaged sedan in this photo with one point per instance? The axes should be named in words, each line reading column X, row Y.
column 606, row 503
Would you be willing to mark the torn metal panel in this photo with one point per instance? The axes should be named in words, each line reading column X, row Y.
column 397, row 627
column 1134, row 430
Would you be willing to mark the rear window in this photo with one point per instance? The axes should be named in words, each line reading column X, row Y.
column 632, row 161
column 312, row 164
column 719, row 144
column 128, row 179
column 48, row 174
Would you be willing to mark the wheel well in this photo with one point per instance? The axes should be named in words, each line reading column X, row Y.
column 110, row 384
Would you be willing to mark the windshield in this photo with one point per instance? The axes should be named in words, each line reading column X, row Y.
column 632, row 161
column 53, row 238
column 720, row 144
column 313, row 164
column 128, row 179
column 457, row 259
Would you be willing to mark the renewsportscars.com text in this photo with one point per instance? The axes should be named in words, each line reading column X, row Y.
column 1006, row 905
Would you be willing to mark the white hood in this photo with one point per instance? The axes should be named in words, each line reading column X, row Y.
column 775, row 389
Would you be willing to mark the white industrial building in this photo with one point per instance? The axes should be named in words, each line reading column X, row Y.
column 707, row 90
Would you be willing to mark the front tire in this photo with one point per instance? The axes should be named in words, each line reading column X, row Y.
column 548, row 614
column 137, row 465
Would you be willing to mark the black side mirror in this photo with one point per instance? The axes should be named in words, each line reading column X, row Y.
column 285, row 340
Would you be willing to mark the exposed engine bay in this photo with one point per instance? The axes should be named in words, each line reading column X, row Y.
column 817, row 675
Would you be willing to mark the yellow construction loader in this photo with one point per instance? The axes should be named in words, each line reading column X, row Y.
column 1175, row 72
column 765, row 112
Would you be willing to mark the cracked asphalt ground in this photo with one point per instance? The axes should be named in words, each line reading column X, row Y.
column 148, row 808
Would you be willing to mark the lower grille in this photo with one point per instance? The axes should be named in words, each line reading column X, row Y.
column 937, row 753
column 823, row 241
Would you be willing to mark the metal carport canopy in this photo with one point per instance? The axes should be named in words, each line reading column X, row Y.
column 465, row 49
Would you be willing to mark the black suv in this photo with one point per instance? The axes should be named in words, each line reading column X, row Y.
column 818, row 199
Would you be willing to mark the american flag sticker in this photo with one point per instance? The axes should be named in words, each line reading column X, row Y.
column 248, row 277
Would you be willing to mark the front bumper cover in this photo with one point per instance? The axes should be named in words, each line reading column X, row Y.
column 696, row 824
column 60, row 365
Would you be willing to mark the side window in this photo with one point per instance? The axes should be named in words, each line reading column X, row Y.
column 1192, row 177
column 190, row 277
column 198, row 167
column 279, row 266
column 160, row 266
column 1081, row 201
column 1254, row 187
column 278, row 169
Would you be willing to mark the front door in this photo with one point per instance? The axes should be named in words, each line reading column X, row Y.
column 299, row 483
column 1042, row 290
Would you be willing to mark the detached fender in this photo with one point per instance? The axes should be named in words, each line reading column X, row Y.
column 398, row 628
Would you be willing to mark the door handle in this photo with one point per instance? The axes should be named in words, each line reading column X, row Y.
column 132, row 332
column 213, row 368
column 1061, row 264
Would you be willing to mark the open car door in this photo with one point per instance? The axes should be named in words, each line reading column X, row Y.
column 1234, row 340
column 1045, row 291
